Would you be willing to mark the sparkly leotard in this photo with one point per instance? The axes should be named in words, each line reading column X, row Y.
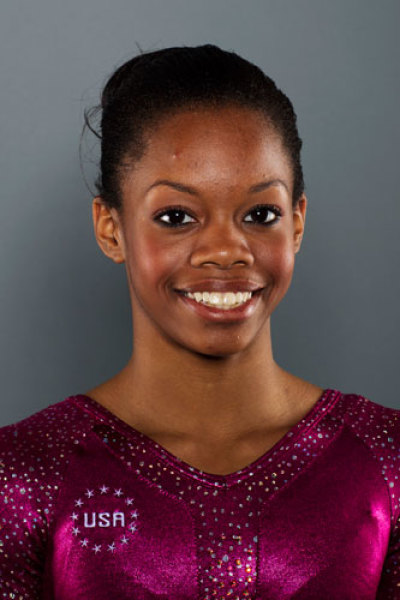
column 90, row 508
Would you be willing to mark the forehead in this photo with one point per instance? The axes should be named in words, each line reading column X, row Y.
column 225, row 146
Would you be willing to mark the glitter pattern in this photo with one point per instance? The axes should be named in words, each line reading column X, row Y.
column 92, row 508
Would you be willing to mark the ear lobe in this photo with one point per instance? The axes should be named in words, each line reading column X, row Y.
column 107, row 229
column 297, row 244
column 299, row 219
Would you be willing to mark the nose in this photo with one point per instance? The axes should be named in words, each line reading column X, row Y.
column 221, row 245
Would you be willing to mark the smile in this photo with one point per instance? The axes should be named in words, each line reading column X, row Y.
column 224, row 301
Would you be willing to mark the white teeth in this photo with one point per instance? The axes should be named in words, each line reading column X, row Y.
column 221, row 300
column 230, row 298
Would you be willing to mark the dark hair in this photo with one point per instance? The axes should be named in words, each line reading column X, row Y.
column 155, row 84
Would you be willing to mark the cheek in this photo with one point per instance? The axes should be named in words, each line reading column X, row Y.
column 285, row 264
column 277, row 259
column 151, row 262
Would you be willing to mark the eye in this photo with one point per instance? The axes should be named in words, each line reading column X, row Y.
column 264, row 214
column 173, row 217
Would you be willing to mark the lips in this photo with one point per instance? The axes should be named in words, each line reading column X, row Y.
column 226, row 300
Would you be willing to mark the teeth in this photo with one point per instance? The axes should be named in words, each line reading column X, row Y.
column 221, row 300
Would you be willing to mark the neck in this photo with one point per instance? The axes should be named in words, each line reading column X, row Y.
column 190, row 395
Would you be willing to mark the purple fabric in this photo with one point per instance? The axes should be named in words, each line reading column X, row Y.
column 90, row 508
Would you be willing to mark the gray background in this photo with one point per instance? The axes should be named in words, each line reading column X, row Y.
column 65, row 314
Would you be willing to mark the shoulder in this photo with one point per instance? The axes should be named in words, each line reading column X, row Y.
column 55, row 426
column 35, row 452
column 376, row 424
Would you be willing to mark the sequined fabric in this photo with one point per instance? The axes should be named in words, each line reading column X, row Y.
column 90, row 508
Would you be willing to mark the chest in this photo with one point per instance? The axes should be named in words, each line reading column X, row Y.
column 222, row 459
column 142, row 527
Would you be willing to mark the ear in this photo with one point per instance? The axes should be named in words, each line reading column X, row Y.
column 108, row 230
column 299, row 219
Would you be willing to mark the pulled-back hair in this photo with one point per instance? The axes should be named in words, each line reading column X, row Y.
column 155, row 84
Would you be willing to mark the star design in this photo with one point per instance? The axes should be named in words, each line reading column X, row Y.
column 118, row 492
column 111, row 547
column 96, row 548
column 78, row 502
column 124, row 539
column 89, row 493
column 132, row 527
column 104, row 489
column 129, row 501
column 75, row 530
column 134, row 514
column 84, row 543
column 74, row 516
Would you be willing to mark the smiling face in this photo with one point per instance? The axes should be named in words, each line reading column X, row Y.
column 207, row 208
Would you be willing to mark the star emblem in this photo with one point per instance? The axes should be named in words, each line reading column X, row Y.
column 127, row 519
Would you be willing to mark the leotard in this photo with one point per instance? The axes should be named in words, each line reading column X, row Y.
column 91, row 508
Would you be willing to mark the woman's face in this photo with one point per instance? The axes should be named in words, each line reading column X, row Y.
column 208, row 208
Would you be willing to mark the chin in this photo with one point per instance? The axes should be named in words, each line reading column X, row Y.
column 220, row 349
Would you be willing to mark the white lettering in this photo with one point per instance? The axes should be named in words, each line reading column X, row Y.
column 118, row 517
column 86, row 520
column 104, row 519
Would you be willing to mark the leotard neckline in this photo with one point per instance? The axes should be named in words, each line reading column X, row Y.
column 325, row 402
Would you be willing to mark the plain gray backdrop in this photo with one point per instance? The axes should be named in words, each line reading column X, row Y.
column 65, row 312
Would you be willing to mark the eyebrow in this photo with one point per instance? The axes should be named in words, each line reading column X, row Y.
column 264, row 185
column 180, row 187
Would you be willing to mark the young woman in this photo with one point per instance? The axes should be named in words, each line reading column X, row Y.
column 203, row 469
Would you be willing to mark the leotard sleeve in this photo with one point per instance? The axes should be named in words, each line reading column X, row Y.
column 23, row 522
column 379, row 429
column 389, row 587
column 34, row 456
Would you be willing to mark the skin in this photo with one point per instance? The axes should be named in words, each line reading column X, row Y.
column 209, row 391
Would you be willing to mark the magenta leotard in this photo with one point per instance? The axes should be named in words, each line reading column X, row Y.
column 90, row 508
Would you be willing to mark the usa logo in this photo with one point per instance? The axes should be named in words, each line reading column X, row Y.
column 103, row 520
